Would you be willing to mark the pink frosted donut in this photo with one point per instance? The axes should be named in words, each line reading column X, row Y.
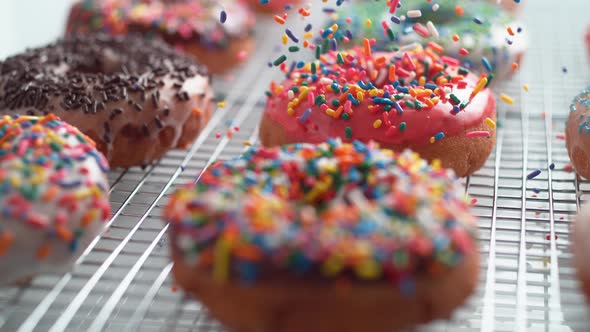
column 410, row 99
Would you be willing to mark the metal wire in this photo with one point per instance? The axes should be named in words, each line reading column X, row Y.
column 122, row 281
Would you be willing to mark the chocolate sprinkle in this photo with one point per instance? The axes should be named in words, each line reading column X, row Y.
column 99, row 70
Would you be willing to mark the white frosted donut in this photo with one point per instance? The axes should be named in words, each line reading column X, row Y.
column 136, row 99
column 53, row 195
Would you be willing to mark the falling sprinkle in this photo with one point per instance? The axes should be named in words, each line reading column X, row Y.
column 421, row 30
column 280, row 60
column 414, row 13
column 486, row 64
column 507, row 99
column 279, row 19
column 533, row 174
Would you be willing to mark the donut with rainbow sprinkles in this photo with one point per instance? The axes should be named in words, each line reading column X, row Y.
column 53, row 195
column 413, row 98
column 329, row 237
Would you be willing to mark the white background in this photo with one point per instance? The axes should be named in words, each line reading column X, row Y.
column 28, row 23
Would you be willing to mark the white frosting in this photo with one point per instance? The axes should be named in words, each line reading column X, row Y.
column 20, row 260
column 197, row 87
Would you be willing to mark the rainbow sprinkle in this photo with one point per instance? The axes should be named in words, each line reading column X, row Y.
column 335, row 210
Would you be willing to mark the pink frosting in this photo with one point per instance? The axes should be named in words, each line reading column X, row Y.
column 420, row 125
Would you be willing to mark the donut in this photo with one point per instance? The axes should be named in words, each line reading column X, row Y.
column 272, row 6
column 217, row 33
column 446, row 114
column 136, row 99
column 581, row 248
column 328, row 237
column 53, row 196
column 577, row 133
column 489, row 39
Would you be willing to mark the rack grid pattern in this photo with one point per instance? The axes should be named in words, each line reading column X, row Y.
column 527, row 283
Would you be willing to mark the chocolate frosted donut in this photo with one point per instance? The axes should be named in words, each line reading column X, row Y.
column 137, row 99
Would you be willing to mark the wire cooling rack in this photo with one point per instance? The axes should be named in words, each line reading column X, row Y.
column 527, row 283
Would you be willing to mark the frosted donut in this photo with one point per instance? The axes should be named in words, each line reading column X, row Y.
column 581, row 248
column 136, row 99
column 577, row 133
column 272, row 6
column 490, row 38
column 329, row 237
column 53, row 196
column 217, row 33
column 445, row 114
